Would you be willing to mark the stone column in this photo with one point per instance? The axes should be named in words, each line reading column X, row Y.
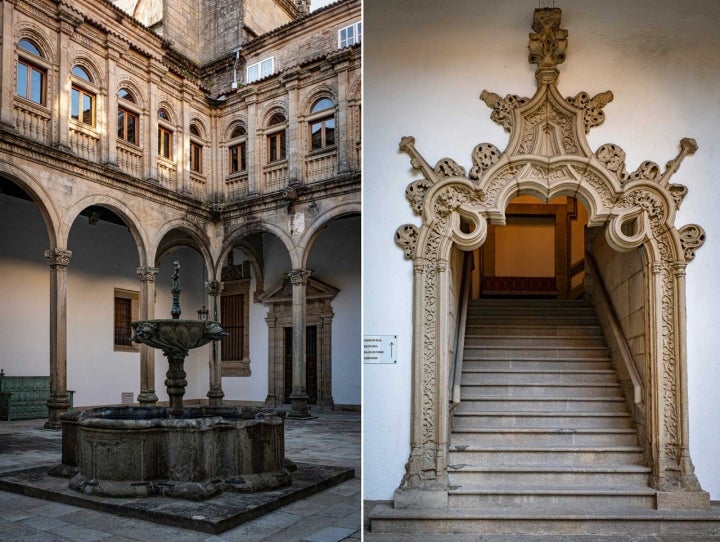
column 293, row 152
column 216, row 394
column 58, row 259
column 299, row 396
column 273, row 338
column 7, row 91
column 147, row 354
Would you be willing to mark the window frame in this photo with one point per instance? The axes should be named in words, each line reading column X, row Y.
column 241, row 161
column 165, row 136
column 261, row 71
column 128, row 107
column 276, row 139
column 321, row 117
column 356, row 29
column 33, row 63
column 83, row 88
column 196, row 157
column 134, row 297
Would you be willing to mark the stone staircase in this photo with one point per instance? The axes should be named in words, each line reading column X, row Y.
column 542, row 441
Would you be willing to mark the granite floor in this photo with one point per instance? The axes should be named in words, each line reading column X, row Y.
column 331, row 438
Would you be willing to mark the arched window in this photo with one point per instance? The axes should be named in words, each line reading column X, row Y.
column 196, row 149
column 31, row 81
column 82, row 98
column 276, row 138
column 237, row 150
column 128, row 127
column 165, row 135
column 322, row 124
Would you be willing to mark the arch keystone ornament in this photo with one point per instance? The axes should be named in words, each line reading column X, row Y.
column 548, row 155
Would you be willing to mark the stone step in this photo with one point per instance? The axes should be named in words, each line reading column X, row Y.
column 566, row 341
column 544, row 404
column 478, row 391
column 562, row 476
column 506, row 524
column 556, row 455
column 542, row 330
column 529, row 365
column 577, row 420
column 538, row 312
column 523, row 436
column 504, row 495
column 475, row 318
column 574, row 376
column 537, row 352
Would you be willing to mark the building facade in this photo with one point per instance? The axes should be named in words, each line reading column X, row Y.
column 225, row 135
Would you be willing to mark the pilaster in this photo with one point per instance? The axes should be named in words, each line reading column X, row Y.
column 298, row 397
column 343, row 142
column 7, row 59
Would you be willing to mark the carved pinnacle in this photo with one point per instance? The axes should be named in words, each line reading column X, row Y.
column 407, row 145
column 688, row 146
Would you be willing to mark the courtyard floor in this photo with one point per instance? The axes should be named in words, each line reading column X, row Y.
column 330, row 438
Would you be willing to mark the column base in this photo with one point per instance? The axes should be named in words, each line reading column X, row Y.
column 683, row 500
column 215, row 398
column 146, row 397
column 56, row 406
column 298, row 406
column 420, row 498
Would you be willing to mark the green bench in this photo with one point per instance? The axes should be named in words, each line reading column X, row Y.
column 24, row 397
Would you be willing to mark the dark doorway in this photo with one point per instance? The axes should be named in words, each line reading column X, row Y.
column 310, row 364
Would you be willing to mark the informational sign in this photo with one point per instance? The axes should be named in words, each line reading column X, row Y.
column 380, row 348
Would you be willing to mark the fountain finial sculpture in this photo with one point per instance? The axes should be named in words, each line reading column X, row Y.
column 176, row 338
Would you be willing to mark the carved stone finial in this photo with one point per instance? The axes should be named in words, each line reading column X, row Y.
column 407, row 145
column 406, row 237
column 549, row 42
column 592, row 107
column 502, row 108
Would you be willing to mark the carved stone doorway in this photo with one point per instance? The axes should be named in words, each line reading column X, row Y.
column 548, row 155
column 319, row 314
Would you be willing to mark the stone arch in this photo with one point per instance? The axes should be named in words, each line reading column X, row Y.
column 29, row 32
column 339, row 211
column 234, row 123
column 201, row 127
column 39, row 196
column 130, row 84
column 317, row 93
column 123, row 211
column 257, row 227
column 191, row 236
column 548, row 155
column 90, row 66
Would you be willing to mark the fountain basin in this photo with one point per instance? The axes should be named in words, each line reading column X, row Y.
column 136, row 451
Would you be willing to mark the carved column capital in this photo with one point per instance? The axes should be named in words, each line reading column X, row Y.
column 147, row 273
column 58, row 257
column 215, row 287
column 657, row 268
column 298, row 276
column 442, row 265
column 680, row 269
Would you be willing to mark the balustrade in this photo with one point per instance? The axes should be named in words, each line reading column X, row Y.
column 31, row 122
column 275, row 176
column 319, row 167
column 130, row 160
column 198, row 186
column 166, row 174
column 236, row 187
column 84, row 144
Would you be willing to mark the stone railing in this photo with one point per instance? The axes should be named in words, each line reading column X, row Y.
column 275, row 176
column 320, row 165
column 236, row 186
column 198, row 186
column 166, row 174
column 130, row 159
column 85, row 144
column 31, row 121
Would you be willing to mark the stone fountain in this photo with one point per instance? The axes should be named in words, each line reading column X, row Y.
column 193, row 453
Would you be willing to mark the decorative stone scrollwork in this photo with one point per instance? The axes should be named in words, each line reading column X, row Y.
column 648, row 201
column 147, row 273
column 58, row 257
column 452, row 197
column 648, row 171
column 406, row 237
column 502, row 107
column 592, row 107
column 447, row 167
column 484, row 156
column 549, row 42
column 613, row 158
column 415, row 194
column 678, row 193
column 692, row 237
column 299, row 276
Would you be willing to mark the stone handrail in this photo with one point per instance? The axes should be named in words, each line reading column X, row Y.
column 456, row 369
column 616, row 328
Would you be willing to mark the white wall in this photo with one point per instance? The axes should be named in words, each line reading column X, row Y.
column 24, row 290
column 425, row 65
column 335, row 259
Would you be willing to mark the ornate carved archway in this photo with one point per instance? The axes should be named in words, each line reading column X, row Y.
column 548, row 156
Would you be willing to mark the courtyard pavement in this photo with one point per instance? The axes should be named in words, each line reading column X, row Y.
column 332, row 438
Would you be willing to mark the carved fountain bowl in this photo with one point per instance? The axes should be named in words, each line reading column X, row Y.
column 176, row 335
column 136, row 451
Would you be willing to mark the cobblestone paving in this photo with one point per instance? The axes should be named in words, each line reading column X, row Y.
column 332, row 438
